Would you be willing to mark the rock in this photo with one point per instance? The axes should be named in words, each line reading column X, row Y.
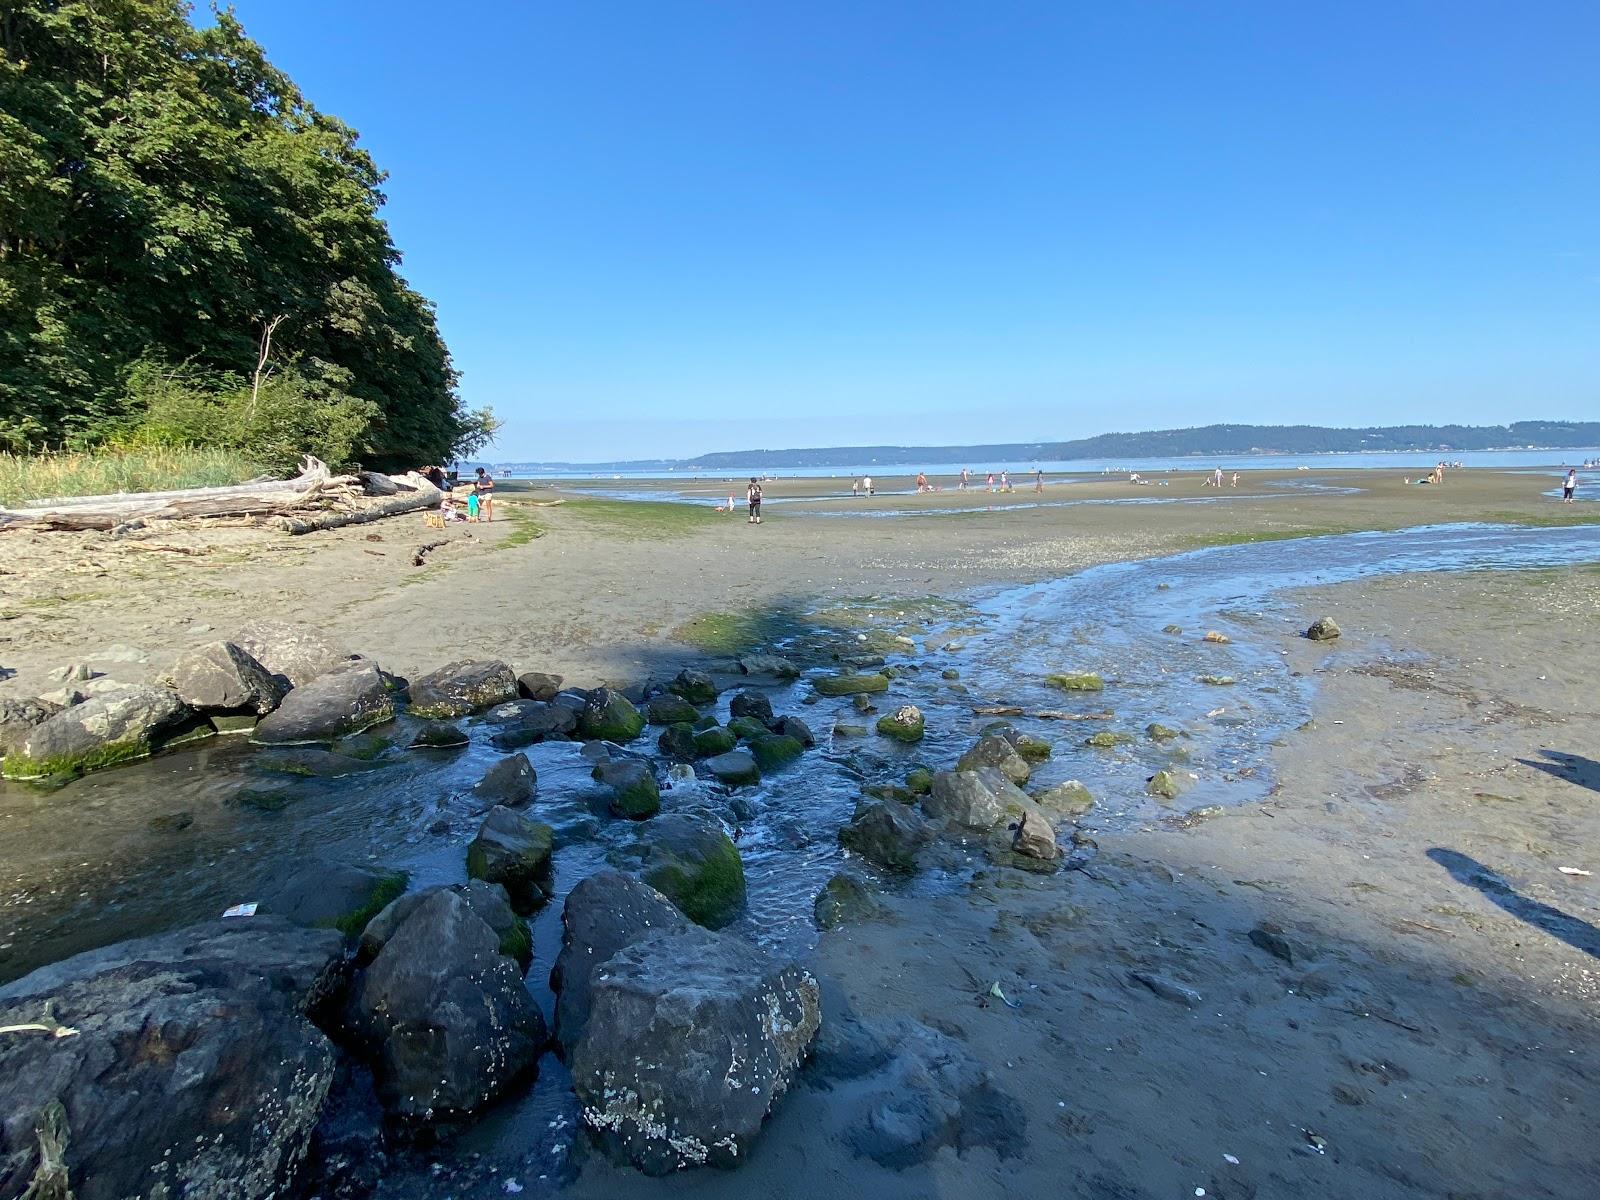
column 309, row 762
column 1108, row 739
column 775, row 750
column 746, row 729
column 18, row 717
column 998, row 753
column 862, row 704
column 194, row 1069
column 1157, row 732
column 1031, row 748
column 172, row 822
column 670, row 710
column 1036, row 838
column 511, row 781
column 344, row 700
column 608, row 716
column 298, row 653
column 850, row 685
column 919, row 781
column 488, row 900
column 448, row 1020
column 844, row 899
column 461, row 688
column 843, row 729
column 905, row 724
column 736, row 768
column 1217, row 680
column 887, row 833
column 769, row 664
column 1172, row 629
column 977, row 799
column 795, row 728
column 1270, row 938
column 634, row 791
column 915, row 1092
column 113, row 727
column 219, row 677
column 677, row 741
column 694, row 864
column 692, row 1037
column 323, row 895
column 750, row 704
column 1077, row 681
column 1070, row 799
column 1177, row 993
column 538, row 721
column 603, row 914
column 696, row 687
column 711, row 742
column 514, row 851
column 231, row 723
column 950, row 673
column 439, row 735
column 1216, row 637
column 1165, row 784
column 537, row 685
column 1323, row 629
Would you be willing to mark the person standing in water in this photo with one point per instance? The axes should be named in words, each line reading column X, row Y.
column 485, row 487
column 966, row 478
column 1569, row 486
column 866, row 482
column 752, row 495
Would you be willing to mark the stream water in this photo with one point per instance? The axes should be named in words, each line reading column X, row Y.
column 178, row 838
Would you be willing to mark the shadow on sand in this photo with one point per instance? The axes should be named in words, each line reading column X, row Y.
column 1580, row 935
column 1573, row 768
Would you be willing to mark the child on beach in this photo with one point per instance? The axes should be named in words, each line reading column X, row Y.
column 473, row 504
column 1569, row 485
column 752, row 495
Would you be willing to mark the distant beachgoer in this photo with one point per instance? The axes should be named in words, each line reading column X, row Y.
column 485, row 489
column 1236, row 479
column 752, row 495
column 966, row 478
column 866, row 484
column 855, row 487
column 991, row 481
column 1216, row 478
column 1038, row 480
column 1005, row 482
column 922, row 483
column 1570, row 486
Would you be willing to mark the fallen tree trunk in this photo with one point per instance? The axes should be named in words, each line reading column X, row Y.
column 389, row 506
column 313, row 472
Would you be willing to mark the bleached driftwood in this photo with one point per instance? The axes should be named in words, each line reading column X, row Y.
column 313, row 471
column 414, row 500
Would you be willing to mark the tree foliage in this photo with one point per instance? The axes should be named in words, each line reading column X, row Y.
column 164, row 193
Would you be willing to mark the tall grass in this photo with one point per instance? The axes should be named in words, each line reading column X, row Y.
column 102, row 472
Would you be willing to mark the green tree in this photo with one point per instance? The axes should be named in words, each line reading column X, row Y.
column 164, row 193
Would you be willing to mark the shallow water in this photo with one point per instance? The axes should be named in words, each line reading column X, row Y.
column 99, row 860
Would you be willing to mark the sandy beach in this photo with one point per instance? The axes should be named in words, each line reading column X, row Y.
column 1375, row 982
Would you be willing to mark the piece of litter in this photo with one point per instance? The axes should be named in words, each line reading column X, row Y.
column 1228, row 1158
column 241, row 910
column 1199, row 1191
column 994, row 990
column 1216, row 712
column 1316, row 1141
column 512, row 1187
column 1574, row 871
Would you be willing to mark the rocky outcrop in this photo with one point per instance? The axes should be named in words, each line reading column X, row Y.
column 339, row 896
column 461, row 688
column 488, row 900
column 514, row 851
column 112, row 727
column 691, row 1039
column 995, row 751
column 220, row 677
column 977, row 799
column 603, row 914
column 694, row 686
column 344, row 700
column 297, row 653
column 905, row 724
column 608, row 716
column 18, row 718
column 512, row 782
column 888, row 833
column 539, row 685
column 537, row 721
column 694, row 864
column 183, row 1064
column 850, row 685
column 445, row 1016
column 634, row 791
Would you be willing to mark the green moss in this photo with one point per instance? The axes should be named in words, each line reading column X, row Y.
column 1077, row 681
column 652, row 519
column 389, row 888
column 901, row 731
column 850, row 685
column 732, row 633
column 919, row 781
column 1107, row 740
column 747, row 729
column 710, row 894
column 775, row 750
column 711, row 742
column 524, row 528
column 67, row 766
column 517, row 942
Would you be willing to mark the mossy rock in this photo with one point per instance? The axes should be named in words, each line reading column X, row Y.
column 851, row 685
column 389, row 885
column 906, row 724
column 775, row 750
column 231, row 723
column 845, row 730
column 1108, row 739
column 737, row 768
column 1031, row 748
column 1172, row 629
column 1218, row 680
column 263, row 799
column 919, row 781
column 634, row 791
column 439, row 735
column 709, row 743
column 747, row 729
column 694, row 686
column 678, row 741
column 950, row 673
column 1069, row 799
column 1158, row 732
column 514, row 851
column 844, row 899
column 670, row 710
column 610, row 717
column 517, row 942
column 707, row 721
column 890, row 791
column 69, row 766
column 862, row 703
column 1077, row 681
column 1164, row 785
column 365, row 746
column 695, row 865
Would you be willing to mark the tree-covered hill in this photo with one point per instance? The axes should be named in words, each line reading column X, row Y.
column 167, row 198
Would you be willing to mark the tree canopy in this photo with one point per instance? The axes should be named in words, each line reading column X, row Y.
column 166, row 194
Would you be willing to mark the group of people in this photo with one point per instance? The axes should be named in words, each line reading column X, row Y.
column 479, row 504
column 1215, row 479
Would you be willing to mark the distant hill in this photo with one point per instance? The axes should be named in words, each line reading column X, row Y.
column 1205, row 441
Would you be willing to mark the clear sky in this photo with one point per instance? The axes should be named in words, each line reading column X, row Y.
column 663, row 227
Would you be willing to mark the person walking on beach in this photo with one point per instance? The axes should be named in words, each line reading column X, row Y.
column 1236, row 479
column 1038, row 480
column 991, row 481
column 752, row 495
column 866, row 483
column 966, row 478
column 485, row 486
column 922, row 482
column 855, row 487
column 1569, row 486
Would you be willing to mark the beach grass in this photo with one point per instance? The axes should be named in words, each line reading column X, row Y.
column 27, row 477
column 642, row 518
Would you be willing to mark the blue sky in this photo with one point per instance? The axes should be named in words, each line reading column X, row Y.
column 662, row 228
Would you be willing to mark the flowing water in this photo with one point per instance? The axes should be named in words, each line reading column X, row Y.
column 178, row 838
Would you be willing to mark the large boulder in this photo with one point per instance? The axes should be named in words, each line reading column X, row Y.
column 609, row 716
column 995, row 751
column 322, row 895
column 668, row 709
column 219, row 677
column 514, row 851
column 694, row 686
column 488, row 900
column 1035, row 837
column 446, row 1016
column 795, row 728
column 691, row 1039
column 977, row 799
column 512, row 781
column 344, row 700
column 17, row 719
column 460, row 688
column 634, row 791
column 751, row 704
column 774, row 750
column 112, row 727
column 298, row 653
column 904, row 724
column 694, row 864
column 190, row 1069
column 888, row 833
column 736, row 768
column 603, row 914
column 1069, row 799
column 536, row 721
column 850, row 685
column 539, row 685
